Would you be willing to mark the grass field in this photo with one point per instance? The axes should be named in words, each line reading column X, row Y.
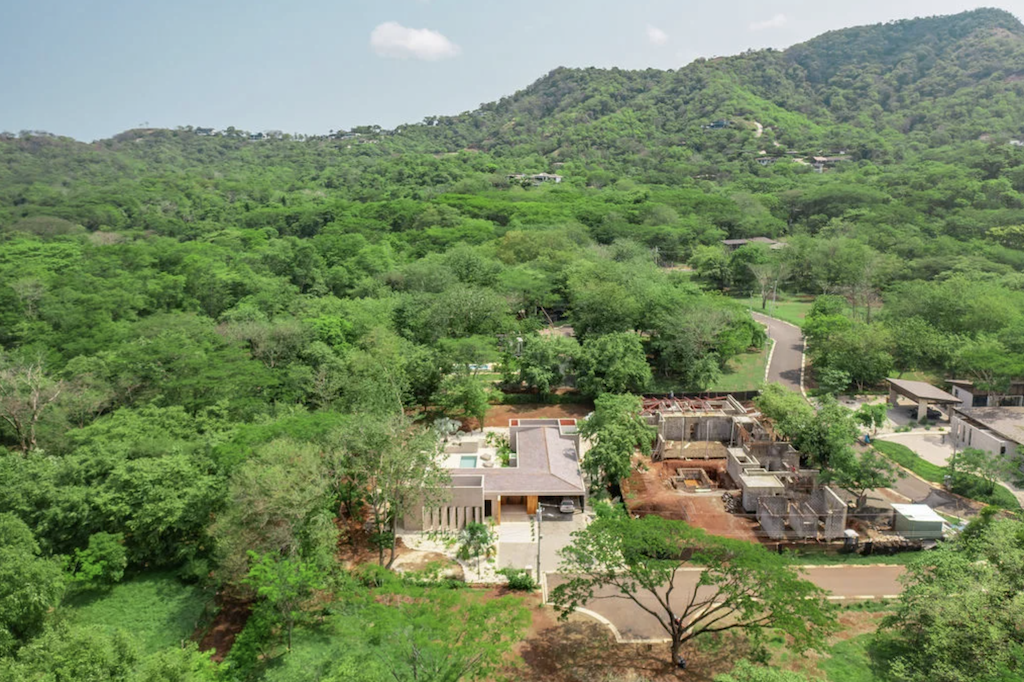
column 789, row 308
column 850, row 661
column 971, row 487
column 157, row 609
column 745, row 372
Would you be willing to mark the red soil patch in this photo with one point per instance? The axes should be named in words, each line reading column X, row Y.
column 232, row 614
column 499, row 415
column 651, row 492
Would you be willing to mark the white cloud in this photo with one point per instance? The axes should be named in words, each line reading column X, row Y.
column 778, row 21
column 391, row 39
column 656, row 35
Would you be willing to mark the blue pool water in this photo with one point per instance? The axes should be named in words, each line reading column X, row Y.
column 467, row 462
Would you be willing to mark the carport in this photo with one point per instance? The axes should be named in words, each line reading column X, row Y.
column 921, row 393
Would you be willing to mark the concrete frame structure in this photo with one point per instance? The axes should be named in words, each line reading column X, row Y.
column 544, row 463
column 922, row 393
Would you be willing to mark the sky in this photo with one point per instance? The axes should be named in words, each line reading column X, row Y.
column 90, row 69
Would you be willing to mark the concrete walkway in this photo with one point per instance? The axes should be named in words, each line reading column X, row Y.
column 630, row 623
column 786, row 366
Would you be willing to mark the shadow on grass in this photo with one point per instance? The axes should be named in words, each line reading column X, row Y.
column 581, row 651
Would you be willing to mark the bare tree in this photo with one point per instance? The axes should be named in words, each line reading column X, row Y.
column 768, row 277
column 26, row 391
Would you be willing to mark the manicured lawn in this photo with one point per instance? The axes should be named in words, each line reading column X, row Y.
column 744, row 372
column 907, row 459
column 969, row 486
column 157, row 609
column 822, row 559
column 789, row 308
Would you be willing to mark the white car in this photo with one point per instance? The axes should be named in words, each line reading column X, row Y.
column 567, row 506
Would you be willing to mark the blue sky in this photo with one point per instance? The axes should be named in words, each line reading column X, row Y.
column 92, row 68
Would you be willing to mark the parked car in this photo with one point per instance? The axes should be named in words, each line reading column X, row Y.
column 567, row 506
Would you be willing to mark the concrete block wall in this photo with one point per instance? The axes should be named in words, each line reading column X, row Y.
column 771, row 515
column 802, row 519
column 831, row 509
column 737, row 465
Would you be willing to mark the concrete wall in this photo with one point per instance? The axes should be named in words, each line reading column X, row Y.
column 465, row 505
column 803, row 520
column 966, row 435
column 771, row 515
column 737, row 465
column 753, row 493
column 831, row 509
column 464, row 447
column 917, row 530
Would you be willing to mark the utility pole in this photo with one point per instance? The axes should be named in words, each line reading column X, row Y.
column 539, row 536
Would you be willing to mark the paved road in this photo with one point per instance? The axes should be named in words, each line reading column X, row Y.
column 633, row 623
column 789, row 349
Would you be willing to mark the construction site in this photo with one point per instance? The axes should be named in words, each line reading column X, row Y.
column 718, row 465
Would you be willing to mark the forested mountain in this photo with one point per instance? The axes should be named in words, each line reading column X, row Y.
column 197, row 326
column 875, row 90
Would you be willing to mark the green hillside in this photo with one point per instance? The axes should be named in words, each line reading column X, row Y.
column 225, row 357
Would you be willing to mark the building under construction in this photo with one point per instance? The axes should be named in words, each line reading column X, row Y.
column 787, row 500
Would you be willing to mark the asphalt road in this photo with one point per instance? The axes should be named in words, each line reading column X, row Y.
column 789, row 349
column 633, row 623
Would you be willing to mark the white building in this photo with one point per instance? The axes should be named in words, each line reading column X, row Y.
column 997, row 430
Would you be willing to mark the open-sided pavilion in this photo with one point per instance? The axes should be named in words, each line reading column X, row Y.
column 922, row 393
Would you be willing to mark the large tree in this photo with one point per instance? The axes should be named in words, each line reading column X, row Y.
column 613, row 363
column 616, row 430
column 690, row 582
column 959, row 616
column 398, row 464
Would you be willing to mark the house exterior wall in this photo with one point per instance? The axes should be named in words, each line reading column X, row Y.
column 966, row 435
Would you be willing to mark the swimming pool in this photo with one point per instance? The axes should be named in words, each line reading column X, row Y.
column 467, row 462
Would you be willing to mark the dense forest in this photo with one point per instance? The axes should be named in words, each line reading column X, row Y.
column 203, row 336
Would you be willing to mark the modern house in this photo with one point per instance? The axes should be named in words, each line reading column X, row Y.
column 544, row 467
column 733, row 244
column 204, row 132
column 538, row 179
column 997, row 430
column 821, row 163
column 972, row 396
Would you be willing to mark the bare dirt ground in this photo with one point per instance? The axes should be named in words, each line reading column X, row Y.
column 583, row 650
column 411, row 560
column 650, row 492
column 220, row 634
column 851, row 624
column 499, row 415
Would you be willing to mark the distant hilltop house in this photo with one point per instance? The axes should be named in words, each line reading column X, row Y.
column 768, row 160
column 204, row 132
column 538, row 179
column 256, row 136
column 718, row 125
column 821, row 163
column 733, row 244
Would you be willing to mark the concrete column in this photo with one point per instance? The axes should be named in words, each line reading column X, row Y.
column 922, row 410
column 894, row 397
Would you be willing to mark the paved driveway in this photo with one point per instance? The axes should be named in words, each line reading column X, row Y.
column 788, row 353
column 517, row 542
column 630, row 622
